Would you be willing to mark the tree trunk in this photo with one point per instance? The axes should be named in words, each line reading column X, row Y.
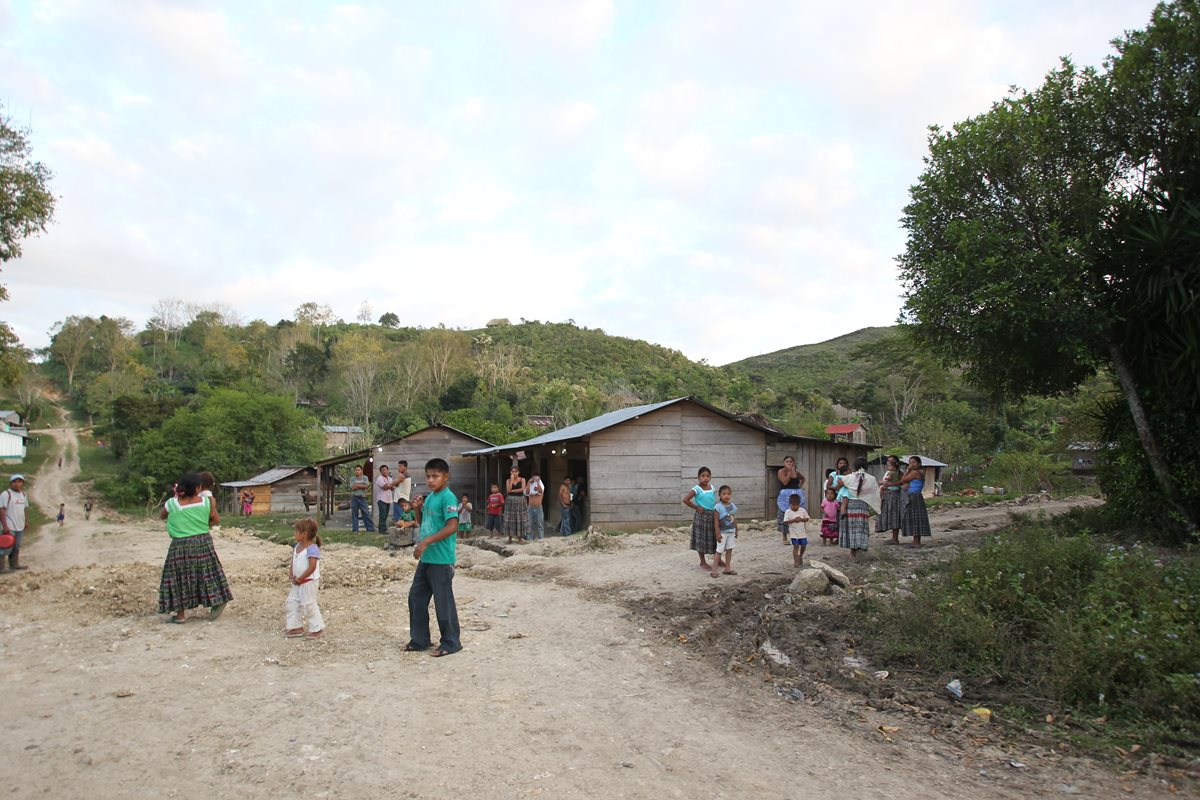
column 1158, row 464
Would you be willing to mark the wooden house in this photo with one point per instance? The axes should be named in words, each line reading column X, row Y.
column 436, row 441
column 637, row 463
column 10, row 417
column 280, row 490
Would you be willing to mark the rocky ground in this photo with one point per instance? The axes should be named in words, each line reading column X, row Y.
column 593, row 667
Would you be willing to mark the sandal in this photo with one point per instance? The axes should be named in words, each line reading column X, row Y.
column 412, row 648
column 175, row 621
column 296, row 634
column 314, row 634
column 215, row 611
column 442, row 651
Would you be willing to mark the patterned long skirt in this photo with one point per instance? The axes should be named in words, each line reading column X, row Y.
column 704, row 532
column 516, row 516
column 889, row 512
column 854, row 527
column 192, row 576
column 914, row 519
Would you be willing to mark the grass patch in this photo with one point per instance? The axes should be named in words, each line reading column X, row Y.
column 278, row 528
column 1049, row 618
column 96, row 463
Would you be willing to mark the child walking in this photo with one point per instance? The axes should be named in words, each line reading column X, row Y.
column 495, row 511
column 727, row 526
column 305, row 575
column 796, row 518
column 62, row 514
column 435, row 549
column 829, row 521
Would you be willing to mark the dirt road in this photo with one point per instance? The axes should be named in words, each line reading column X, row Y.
column 564, row 689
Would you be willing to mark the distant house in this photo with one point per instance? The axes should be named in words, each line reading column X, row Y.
column 340, row 438
column 279, row 490
column 13, row 443
column 638, row 462
column 933, row 471
column 9, row 417
column 850, row 432
column 436, row 441
column 544, row 421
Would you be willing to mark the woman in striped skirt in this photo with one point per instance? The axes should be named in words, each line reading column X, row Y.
column 859, row 493
column 914, row 519
column 516, row 507
column 702, row 499
column 192, row 574
column 889, row 501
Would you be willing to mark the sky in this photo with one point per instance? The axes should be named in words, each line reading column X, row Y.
column 722, row 178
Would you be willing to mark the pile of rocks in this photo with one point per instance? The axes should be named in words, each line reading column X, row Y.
column 816, row 578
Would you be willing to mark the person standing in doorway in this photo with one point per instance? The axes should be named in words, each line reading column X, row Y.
column 13, row 505
column 516, row 508
column 360, row 506
column 383, row 495
column 535, row 493
column 579, row 504
column 564, row 501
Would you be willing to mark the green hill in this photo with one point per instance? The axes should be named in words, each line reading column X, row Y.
column 812, row 367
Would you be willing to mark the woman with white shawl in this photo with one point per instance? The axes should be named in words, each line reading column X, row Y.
column 858, row 493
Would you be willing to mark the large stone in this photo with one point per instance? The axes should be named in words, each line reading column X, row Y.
column 834, row 575
column 809, row 581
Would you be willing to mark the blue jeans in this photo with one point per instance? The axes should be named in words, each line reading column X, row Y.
column 383, row 515
column 537, row 523
column 564, row 524
column 360, row 508
column 436, row 581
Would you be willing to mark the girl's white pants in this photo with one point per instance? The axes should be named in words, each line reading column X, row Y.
column 302, row 605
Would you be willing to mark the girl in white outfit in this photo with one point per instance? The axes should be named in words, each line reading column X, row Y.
column 305, row 574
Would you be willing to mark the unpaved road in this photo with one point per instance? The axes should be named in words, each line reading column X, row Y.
column 561, row 691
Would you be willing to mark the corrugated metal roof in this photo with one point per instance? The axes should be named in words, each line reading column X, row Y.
column 926, row 461
column 848, row 428
column 604, row 421
column 366, row 451
column 342, row 429
column 270, row 476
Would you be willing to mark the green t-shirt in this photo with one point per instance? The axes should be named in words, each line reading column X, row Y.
column 409, row 516
column 438, row 509
column 185, row 521
column 359, row 486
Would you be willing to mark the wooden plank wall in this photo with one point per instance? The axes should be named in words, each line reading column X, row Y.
column 633, row 471
column 734, row 452
column 420, row 447
column 813, row 459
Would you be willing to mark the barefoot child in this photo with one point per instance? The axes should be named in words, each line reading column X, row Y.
column 829, row 522
column 702, row 499
column 305, row 575
column 495, row 511
column 435, row 549
column 727, row 525
column 796, row 518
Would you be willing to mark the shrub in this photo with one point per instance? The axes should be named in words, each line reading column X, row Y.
column 1046, row 613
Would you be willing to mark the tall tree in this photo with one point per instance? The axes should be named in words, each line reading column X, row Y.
column 1018, row 263
column 70, row 343
column 26, row 203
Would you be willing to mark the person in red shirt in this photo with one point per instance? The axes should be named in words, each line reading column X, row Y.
column 495, row 511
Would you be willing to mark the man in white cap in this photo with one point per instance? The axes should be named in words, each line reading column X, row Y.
column 13, row 504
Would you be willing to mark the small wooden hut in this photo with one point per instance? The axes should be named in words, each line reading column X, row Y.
column 280, row 490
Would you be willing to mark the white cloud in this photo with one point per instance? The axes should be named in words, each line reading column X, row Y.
column 571, row 119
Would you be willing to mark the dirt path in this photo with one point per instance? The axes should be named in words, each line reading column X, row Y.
column 563, row 690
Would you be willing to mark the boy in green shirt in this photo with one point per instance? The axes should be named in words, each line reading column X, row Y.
column 436, row 544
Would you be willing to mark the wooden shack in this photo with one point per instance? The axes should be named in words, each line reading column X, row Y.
column 436, row 441
column 638, row 462
column 932, row 467
column 281, row 490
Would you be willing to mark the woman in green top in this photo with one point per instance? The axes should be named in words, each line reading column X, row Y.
column 192, row 574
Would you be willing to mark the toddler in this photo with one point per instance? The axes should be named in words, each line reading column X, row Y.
column 464, row 513
column 727, row 527
column 796, row 518
column 829, row 521
column 305, row 575
column 495, row 511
